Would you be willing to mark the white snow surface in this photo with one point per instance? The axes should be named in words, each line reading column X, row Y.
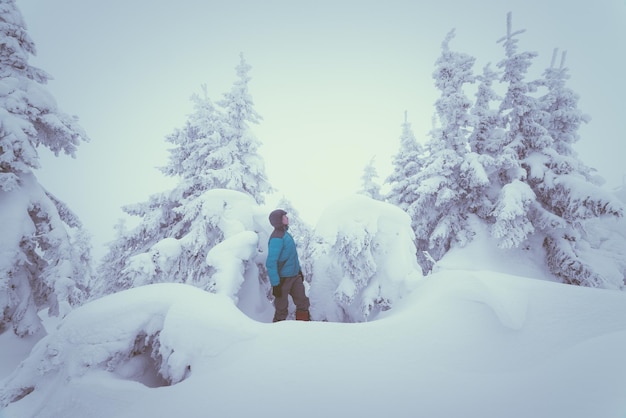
column 485, row 335
column 463, row 343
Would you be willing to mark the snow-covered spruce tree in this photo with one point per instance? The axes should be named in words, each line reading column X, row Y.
column 544, row 192
column 486, row 123
column 487, row 132
column 247, row 170
column 487, row 129
column 520, row 116
column 369, row 185
column 403, row 182
column 566, row 194
column 452, row 179
column 364, row 260
column 183, row 233
column 116, row 272
column 407, row 163
column 44, row 253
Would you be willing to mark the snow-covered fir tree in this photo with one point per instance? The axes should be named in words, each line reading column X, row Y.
column 566, row 194
column 486, row 126
column 546, row 192
column 180, row 231
column 200, row 156
column 520, row 116
column 247, row 168
column 537, row 189
column 486, row 132
column 369, row 184
column 513, row 167
column 354, row 277
column 216, row 148
column 404, row 181
column 44, row 252
column 407, row 163
column 452, row 178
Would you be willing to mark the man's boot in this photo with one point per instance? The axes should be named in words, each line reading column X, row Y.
column 302, row 316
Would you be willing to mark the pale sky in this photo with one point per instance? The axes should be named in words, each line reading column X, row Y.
column 331, row 79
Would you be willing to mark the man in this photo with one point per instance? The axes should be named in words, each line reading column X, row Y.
column 284, row 270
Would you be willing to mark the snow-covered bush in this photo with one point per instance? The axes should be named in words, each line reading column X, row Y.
column 363, row 260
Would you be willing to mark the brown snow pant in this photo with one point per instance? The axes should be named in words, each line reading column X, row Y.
column 293, row 286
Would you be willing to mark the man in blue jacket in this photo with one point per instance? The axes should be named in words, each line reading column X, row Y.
column 284, row 270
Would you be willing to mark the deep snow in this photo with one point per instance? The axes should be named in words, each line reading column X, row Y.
column 487, row 334
column 464, row 343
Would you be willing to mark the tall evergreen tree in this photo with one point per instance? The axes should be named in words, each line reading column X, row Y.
column 545, row 191
column 178, row 228
column 407, row 163
column 452, row 178
column 247, row 169
column 486, row 131
column 44, row 253
column 520, row 118
column 201, row 157
column 404, row 182
column 486, row 121
column 566, row 194
column 369, row 185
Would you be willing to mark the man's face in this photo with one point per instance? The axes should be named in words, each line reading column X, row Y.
column 285, row 220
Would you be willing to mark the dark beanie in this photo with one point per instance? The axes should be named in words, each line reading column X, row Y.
column 276, row 218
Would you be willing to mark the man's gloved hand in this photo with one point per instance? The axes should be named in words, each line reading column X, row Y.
column 277, row 291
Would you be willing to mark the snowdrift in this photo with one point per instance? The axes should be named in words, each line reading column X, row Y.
column 463, row 343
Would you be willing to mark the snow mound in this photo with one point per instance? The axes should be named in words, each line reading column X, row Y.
column 149, row 334
column 484, row 253
column 462, row 343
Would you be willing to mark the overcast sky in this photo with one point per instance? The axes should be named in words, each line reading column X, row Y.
column 331, row 79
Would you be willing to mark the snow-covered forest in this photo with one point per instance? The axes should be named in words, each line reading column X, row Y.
column 489, row 242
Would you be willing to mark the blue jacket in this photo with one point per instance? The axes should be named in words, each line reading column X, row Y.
column 282, row 257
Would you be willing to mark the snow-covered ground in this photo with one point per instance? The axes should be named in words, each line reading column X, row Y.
column 462, row 343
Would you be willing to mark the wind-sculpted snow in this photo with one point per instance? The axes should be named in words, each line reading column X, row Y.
column 225, row 238
column 154, row 327
column 508, row 305
column 462, row 343
column 228, row 258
